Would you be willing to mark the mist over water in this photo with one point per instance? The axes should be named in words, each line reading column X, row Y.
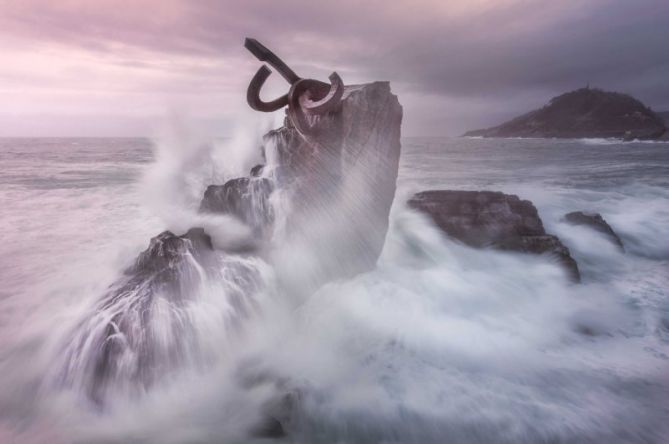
column 440, row 343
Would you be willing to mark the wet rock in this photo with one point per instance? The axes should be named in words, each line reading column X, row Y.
column 257, row 170
column 119, row 340
column 596, row 222
column 166, row 253
column 245, row 198
column 278, row 412
column 341, row 172
column 141, row 330
column 487, row 219
column 277, row 415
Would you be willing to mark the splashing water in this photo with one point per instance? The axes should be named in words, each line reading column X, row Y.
column 439, row 343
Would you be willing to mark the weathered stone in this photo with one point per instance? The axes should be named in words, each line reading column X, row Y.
column 596, row 222
column 119, row 340
column 487, row 219
column 256, row 171
column 245, row 198
column 342, row 175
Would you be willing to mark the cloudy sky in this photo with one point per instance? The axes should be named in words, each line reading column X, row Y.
column 117, row 67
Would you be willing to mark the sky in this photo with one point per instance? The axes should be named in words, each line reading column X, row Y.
column 121, row 67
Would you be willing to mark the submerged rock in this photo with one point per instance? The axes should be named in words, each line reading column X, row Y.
column 487, row 219
column 596, row 222
column 245, row 198
column 586, row 112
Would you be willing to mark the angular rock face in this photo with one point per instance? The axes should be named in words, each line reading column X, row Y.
column 246, row 198
column 166, row 253
column 596, row 222
column 338, row 177
column 496, row 220
column 342, row 175
column 141, row 330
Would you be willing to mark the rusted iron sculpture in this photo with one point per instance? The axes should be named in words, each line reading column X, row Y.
column 306, row 97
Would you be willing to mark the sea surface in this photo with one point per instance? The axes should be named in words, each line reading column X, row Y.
column 441, row 343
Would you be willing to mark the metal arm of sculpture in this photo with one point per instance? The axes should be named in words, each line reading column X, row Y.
column 305, row 97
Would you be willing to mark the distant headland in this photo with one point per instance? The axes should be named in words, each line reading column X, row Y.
column 584, row 113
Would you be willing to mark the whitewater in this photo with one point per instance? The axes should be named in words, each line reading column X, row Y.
column 439, row 343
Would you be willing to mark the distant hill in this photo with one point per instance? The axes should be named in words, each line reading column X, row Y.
column 586, row 112
column 665, row 116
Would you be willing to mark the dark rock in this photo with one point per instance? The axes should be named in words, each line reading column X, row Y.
column 278, row 415
column 118, row 340
column 596, row 222
column 270, row 428
column 582, row 113
column 487, row 219
column 165, row 253
column 141, row 330
column 257, row 170
column 245, row 198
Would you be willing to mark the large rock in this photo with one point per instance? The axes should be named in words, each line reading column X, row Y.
column 487, row 219
column 341, row 173
column 142, row 329
column 586, row 112
column 162, row 260
column 246, row 198
column 596, row 222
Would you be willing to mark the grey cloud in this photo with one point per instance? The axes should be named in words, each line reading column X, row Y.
column 517, row 49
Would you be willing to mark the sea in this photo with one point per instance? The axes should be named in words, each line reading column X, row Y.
column 441, row 343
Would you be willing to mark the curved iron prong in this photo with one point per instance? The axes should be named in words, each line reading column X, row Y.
column 327, row 103
column 253, row 93
column 265, row 55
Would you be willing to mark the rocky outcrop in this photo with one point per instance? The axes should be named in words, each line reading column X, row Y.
column 165, row 255
column 487, row 219
column 118, row 339
column 142, row 329
column 246, row 198
column 596, row 222
column 257, row 170
column 338, row 174
column 583, row 113
column 341, row 173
